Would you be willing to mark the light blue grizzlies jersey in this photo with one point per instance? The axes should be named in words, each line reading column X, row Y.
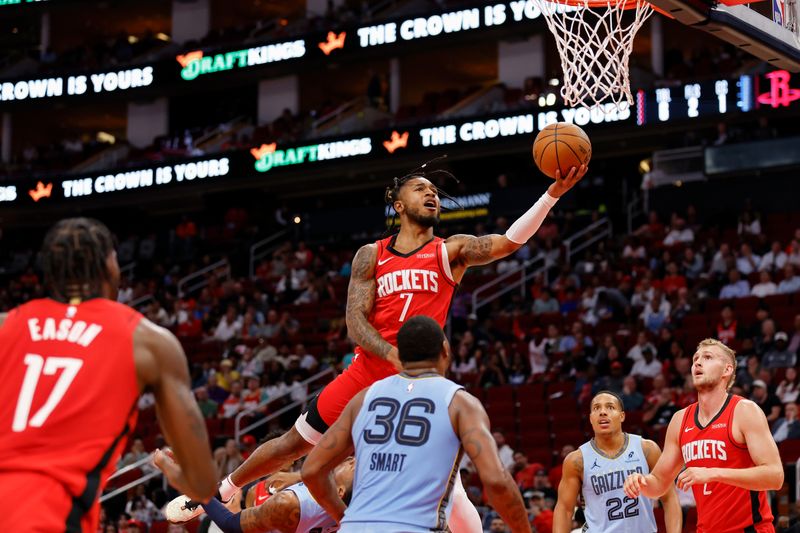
column 313, row 518
column 607, row 508
column 407, row 457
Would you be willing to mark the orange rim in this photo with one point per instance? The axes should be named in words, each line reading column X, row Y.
column 629, row 4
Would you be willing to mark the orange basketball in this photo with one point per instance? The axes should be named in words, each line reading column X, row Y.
column 561, row 146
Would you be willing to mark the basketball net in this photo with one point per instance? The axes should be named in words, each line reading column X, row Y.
column 595, row 44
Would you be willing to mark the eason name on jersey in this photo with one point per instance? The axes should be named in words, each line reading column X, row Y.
column 412, row 279
column 704, row 449
column 77, row 332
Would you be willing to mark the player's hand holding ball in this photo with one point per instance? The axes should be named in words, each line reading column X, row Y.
column 562, row 151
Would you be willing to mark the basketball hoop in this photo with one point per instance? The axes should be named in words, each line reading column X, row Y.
column 595, row 44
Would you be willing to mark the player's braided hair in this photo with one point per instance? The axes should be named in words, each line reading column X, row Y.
column 74, row 257
column 393, row 193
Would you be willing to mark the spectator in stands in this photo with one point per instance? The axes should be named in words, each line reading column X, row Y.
column 632, row 399
column 779, row 356
column 635, row 354
column 765, row 285
column 463, row 363
column 226, row 374
column 765, row 339
column 788, row 389
column 215, row 392
column 613, row 381
column 790, row 282
column 660, row 412
column 766, row 400
column 679, row 234
column 251, row 396
column 540, row 513
column 653, row 229
column 634, row 249
column 773, row 260
column 673, row 280
column 228, row 458
column 556, row 472
column 749, row 223
column 794, row 341
column 692, row 264
column 727, row 326
column 787, row 427
column 656, row 313
column 681, row 308
column 229, row 325
column 249, row 364
column 542, row 484
column 648, row 366
column 538, row 358
column 749, row 374
column 492, row 373
column 736, row 287
column 545, row 303
column 721, row 262
column 794, row 253
column 570, row 341
column 498, row 525
column 747, row 262
column 140, row 507
column 504, row 450
column 208, row 407
column 524, row 472
column 135, row 454
column 233, row 403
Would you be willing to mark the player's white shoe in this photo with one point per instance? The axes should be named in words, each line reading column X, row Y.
column 182, row 509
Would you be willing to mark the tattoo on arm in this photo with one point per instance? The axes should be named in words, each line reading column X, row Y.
column 281, row 512
column 360, row 299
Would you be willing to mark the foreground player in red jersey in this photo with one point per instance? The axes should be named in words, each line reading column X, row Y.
column 73, row 366
column 725, row 442
column 411, row 273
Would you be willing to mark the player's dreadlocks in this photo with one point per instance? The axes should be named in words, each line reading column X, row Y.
column 393, row 193
column 74, row 257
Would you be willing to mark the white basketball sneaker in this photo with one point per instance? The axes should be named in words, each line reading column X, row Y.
column 182, row 509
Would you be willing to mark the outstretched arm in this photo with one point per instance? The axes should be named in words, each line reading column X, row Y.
column 360, row 299
column 468, row 250
column 334, row 447
column 471, row 424
column 280, row 513
column 568, row 491
column 673, row 516
column 767, row 474
column 662, row 476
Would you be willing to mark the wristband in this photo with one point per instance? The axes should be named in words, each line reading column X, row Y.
column 227, row 489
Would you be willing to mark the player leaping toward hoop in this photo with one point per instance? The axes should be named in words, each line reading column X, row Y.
column 725, row 443
column 410, row 273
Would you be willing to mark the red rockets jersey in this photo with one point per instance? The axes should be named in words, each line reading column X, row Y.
column 722, row 508
column 416, row 283
column 67, row 404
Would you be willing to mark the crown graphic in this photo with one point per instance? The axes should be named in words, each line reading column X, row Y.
column 188, row 57
column 263, row 150
column 334, row 42
column 397, row 141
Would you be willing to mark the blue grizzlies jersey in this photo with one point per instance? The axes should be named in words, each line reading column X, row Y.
column 313, row 518
column 407, row 456
column 607, row 508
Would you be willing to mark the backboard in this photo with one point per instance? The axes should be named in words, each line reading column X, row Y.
column 767, row 29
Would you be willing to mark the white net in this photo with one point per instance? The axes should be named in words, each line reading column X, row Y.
column 595, row 44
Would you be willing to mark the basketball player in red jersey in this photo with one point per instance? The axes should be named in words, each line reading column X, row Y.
column 73, row 366
column 725, row 443
column 410, row 273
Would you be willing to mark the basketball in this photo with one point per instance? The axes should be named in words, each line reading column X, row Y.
column 561, row 146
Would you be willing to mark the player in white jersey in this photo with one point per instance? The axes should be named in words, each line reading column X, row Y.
column 408, row 440
column 289, row 510
column 597, row 470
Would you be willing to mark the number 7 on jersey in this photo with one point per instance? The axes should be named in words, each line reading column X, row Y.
column 407, row 296
column 38, row 365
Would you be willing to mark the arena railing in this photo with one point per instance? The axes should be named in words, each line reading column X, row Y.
column 148, row 474
column 199, row 280
column 262, row 249
column 637, row 207
column 127, row 270
column 239, row 431
column 517, row 278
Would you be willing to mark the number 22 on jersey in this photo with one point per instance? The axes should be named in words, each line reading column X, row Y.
column 38, row 366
